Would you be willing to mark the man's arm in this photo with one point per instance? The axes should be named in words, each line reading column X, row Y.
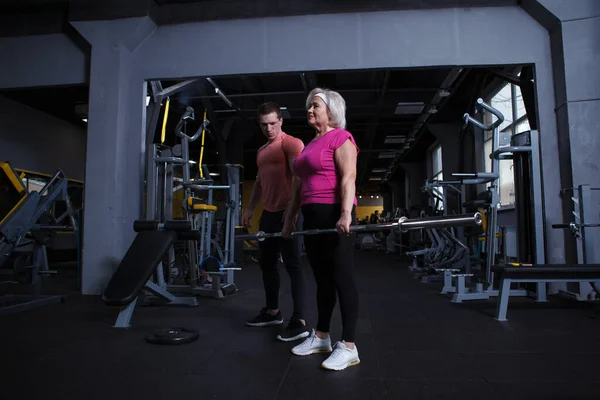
column 256, row 194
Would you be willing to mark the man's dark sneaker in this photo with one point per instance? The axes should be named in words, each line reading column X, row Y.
column 293, row 331
column 265, row 319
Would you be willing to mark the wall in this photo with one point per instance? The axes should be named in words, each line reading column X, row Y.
column 36, row 141
column 367, row 205
column 125, row 53
column 41, row 60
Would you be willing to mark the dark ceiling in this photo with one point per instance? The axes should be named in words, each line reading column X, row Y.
column 441, row 95
column 385, row 135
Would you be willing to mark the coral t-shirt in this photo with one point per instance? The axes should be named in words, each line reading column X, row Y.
column 316, row 168
column 274, row 173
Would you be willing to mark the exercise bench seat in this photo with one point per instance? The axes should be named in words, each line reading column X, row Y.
column 539, row 273
column 138, row 265
column 195, row 204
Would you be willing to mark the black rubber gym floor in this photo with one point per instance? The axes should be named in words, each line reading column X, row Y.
column 413, row 344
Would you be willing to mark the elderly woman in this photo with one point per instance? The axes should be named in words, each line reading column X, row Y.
column 325, row 190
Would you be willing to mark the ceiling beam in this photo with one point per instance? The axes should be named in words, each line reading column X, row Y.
column 311, row 86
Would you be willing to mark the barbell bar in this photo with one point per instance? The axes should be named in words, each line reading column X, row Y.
column 403, row 224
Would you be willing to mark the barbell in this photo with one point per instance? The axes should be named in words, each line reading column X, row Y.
column 403, row 224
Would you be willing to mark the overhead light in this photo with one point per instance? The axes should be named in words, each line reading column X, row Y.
column 192, row 162
column 395, row 139
column 360, row 197
column 443, row 93
column 387, row 155
column 409, row 108
column 214, row 174
column 377, row 196
column 84, row 120
column 432, row 110
column 371, row 196
column 147, row 100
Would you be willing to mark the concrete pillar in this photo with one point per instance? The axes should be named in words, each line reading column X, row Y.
column 114, row 165
column 417, row 173
column 574, row 31
column 448, row 136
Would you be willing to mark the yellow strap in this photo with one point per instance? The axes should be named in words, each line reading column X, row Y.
column 164, row 125
column 202, row 149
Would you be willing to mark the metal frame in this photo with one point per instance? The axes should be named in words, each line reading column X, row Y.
column 24, row 218
column 505, row 292
column 157, row 291
column 481, row 292
column 585, row 230
column 35, row 299
column 161, row 161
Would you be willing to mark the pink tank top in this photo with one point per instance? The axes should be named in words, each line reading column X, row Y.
column 315, row 167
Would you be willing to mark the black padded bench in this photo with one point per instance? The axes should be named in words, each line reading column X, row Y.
column 540, row 273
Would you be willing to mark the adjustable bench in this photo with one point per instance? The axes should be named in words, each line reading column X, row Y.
column 541, row 273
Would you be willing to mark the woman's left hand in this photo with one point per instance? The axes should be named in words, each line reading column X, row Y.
column 343, row 224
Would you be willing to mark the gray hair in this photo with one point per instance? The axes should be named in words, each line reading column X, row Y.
column 335, row 102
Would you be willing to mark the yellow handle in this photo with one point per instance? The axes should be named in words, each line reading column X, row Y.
column 201, row 148
column 164, row 125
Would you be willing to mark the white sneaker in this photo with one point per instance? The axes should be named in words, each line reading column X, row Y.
column 341, row 358
column 312, row 344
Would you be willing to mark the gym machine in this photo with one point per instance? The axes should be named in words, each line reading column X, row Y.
column 142, row 269
column 199, row 212
column 25, row 226
column 523, row 149
column 584, row 276
column 447, row 254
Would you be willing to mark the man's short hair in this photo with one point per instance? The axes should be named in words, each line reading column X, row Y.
column 268, row 108
column 336, row 104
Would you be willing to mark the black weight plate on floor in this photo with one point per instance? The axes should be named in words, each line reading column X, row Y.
column 173, row 336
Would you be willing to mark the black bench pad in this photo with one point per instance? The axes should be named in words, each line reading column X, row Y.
column 550, row 271
column 140, row 261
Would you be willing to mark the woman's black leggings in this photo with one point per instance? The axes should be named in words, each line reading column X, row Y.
column 331, row 257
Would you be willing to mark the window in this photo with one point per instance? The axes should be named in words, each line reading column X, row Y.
column 437, row 173
column 436, row 163
column 509, row 101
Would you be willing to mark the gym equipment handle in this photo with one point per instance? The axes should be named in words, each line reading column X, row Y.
column 574, row 225
column 482, row 105
column 189, row 114
column 402, row 224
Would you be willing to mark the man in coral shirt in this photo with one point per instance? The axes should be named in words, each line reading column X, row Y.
column 273, row 186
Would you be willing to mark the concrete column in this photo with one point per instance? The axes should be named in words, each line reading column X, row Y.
column 417, row 173
column 114, row 170
column 448, row 136
column 574, row 31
